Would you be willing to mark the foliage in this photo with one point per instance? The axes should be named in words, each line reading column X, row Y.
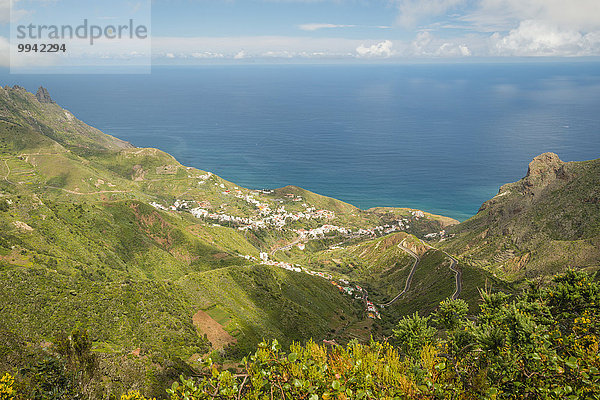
column 132, row 395
column 356, row 371
column 7, row 390
column 533, row 346
column 49, row 379
column 540, row 344
column 450, row 313
column 76, row 352
column 413, row 332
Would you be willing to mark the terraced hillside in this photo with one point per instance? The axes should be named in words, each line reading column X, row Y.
column 400, row 269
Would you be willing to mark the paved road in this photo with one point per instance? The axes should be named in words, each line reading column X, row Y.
column 453, row 263
column 410, row 275
column 457, row 272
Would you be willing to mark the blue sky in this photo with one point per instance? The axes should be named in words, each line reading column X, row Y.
column 204, row 31
column 266, row 18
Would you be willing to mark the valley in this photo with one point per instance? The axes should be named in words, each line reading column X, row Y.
column 176, row 263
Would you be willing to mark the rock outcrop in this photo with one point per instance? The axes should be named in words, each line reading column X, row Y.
column 43, row 96
column 543, row 170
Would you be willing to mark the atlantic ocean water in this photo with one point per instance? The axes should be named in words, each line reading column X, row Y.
column 439, row 137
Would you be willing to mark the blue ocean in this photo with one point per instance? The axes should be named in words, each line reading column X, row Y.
column 438, row 137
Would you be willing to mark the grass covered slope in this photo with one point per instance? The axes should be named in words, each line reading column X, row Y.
column 129, row 314
column 536, row 226
column 382, row 266
column 263, row 301
column 81, row 244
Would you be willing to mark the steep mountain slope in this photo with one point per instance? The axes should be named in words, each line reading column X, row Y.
column 537, row 226
column 21, row 108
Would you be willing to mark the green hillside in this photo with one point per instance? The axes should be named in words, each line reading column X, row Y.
column 20, row 108
column 536, row 226
column 165, row 264
column 91, row 236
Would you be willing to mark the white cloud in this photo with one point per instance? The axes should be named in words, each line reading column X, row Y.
column 464, row 50
column 536, row 38
column 284, row 47
column 255, row 46
column 427, row 45
column 170, row 55
column 317, row 26
column 559, row 28
column 421, row 43
column 453, row 50
column 206, row 54
column 279, row 54
column 382, row 49
column 581, row 15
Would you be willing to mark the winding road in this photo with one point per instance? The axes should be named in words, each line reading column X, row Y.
column 453, row 268
column 7, row 171
column 88, row 193
column 457, row 274
column 410, row 274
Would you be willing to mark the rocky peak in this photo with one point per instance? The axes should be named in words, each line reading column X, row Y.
column 543, row 164
column 543, row 170
column 43, row 96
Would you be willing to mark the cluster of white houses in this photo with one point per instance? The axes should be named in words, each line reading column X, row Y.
column 401, row 225
column 268, row 217
column 418, row 214
column 441, row 235
column 322, row 231
column 278, row 219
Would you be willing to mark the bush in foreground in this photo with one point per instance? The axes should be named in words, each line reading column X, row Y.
column 542, row 344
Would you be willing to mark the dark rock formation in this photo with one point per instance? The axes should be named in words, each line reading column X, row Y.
column 43, row 96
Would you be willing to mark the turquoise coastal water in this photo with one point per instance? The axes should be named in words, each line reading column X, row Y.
column 441, row 138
